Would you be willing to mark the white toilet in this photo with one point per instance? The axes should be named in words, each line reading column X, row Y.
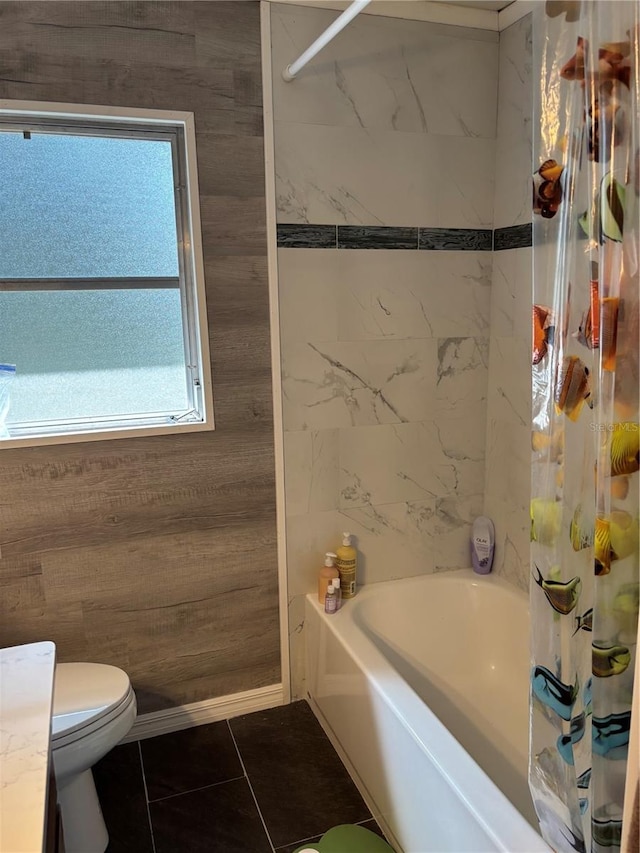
column 94, row 707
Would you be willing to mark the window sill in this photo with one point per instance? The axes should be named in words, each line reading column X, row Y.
column 104, row 435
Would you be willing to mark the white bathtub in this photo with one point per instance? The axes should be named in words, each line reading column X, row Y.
column 422, row 684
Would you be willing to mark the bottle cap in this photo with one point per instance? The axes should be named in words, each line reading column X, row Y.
column 329, row 558
column 346, row 539
column 335, row 583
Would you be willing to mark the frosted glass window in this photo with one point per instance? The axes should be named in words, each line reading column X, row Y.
column 93, row 354
column 82, row 206
column 98, row 293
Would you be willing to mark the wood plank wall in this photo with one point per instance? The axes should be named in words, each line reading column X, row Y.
column 159, row 554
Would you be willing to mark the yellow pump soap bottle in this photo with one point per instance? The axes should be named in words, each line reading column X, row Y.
column 346, row 564
column 327, row 573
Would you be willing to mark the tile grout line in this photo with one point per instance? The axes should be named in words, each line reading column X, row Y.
column 298, row 843
column 309, row 838
column 255, row 800
column 194, row 790
column 146, row 797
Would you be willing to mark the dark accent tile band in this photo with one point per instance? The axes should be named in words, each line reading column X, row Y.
column 307, row 236
column 456, row 239
column 513, row 237
column 376, row 237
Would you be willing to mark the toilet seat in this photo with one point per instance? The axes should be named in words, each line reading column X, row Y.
column 94, row 707
column 87, row 697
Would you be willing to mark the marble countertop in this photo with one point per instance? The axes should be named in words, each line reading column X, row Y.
column 26, row 697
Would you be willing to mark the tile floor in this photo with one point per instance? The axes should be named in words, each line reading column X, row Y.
column 260, row 783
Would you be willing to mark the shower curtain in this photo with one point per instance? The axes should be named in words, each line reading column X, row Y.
column 585, row 438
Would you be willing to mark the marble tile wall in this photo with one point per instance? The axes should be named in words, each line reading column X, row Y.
column 385, row 350
column 508, row 406
column 388, row 126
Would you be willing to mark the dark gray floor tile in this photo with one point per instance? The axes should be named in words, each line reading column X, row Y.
column 189, row 759
column 120, row 787
column 372, row 825
column 290, row 848
column 219, row 819
column 301, row 786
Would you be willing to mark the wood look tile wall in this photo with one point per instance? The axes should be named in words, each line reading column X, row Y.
column 159, row 554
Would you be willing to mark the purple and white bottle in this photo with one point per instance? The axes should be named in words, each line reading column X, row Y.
column 482, row 545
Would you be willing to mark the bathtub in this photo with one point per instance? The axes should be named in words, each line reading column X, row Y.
column 422, row 686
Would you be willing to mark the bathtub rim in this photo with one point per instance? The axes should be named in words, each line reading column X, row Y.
column 485, row 801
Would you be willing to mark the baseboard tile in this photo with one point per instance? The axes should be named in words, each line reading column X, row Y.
column 207, row 711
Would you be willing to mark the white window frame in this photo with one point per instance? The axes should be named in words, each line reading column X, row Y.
column 82, row 118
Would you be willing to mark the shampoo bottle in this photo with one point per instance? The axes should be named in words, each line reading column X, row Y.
column 327, row 573
column 483, row 538
column 346, row 563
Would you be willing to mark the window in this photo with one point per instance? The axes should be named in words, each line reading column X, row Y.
column 101, row 287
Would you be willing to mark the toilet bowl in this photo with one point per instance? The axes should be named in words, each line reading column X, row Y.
column 94, row 707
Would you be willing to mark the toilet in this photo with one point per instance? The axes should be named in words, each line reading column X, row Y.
column 94, row 707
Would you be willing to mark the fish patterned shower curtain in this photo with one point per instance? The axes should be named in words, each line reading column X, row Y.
column 585, row 438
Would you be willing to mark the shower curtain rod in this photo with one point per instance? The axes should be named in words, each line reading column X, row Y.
column 330, row 33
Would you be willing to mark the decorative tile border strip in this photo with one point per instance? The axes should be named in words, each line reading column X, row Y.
column 305, row 236
column 513, row 237
column 456, row 239
column 376, row 237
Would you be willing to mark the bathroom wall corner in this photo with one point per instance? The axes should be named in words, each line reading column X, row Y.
column 274, row 314
column 506, row 493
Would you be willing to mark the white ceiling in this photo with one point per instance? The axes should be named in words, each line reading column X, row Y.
column 482, row 14
column 491, row 5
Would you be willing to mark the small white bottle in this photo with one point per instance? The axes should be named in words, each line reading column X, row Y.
column 331, row 600
column 336, row 586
